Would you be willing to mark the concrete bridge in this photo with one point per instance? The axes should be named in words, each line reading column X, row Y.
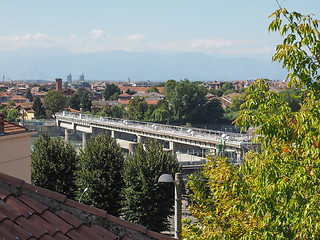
column 191, row 145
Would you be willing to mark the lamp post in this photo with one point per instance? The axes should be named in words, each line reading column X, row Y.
column 177, row 203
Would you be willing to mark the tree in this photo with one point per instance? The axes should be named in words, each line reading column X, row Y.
column 118, row 111
column 74, row 101
column 187, row 99
column 53, row 102
column 276, row 189
column 212, row 111
column 43, row 89
column 29, row 94
column 11, row 103
column 85, row 102
column 153, row 89
column 12, row 114
column 110, row 90
column 101, row 165
column 53, row 165
column 145, row 201
column 38, row 108
column 137, row 109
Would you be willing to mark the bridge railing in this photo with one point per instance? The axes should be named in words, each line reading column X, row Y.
column 179, row 130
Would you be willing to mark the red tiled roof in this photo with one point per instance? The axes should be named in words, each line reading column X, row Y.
column 31, row 212
column 10, row 128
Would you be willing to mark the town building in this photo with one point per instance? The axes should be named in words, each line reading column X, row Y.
column 15, row 142
column 69, row 79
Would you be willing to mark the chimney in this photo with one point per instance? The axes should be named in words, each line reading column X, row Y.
column 58, row 84
column 1, row 124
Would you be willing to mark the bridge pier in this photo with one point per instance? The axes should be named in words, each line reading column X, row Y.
column 85, row 139
column 67, row 133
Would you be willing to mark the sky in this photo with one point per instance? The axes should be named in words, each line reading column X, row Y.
column 229, row 28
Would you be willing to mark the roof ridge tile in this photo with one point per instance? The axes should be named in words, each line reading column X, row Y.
column 45, row 192
column 92, row 210
column 11, row 180
column 127, row 224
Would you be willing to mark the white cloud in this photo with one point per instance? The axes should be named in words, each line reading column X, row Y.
column 134, row 38
column 97, row 33
column 210, row 43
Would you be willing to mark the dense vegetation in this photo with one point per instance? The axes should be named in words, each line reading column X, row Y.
column 275, row 193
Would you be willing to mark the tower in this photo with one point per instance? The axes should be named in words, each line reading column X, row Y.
column 69, row 79
column 81, row 78
column 58, row 84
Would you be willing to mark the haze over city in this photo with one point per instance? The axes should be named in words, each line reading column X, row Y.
column 145, row 40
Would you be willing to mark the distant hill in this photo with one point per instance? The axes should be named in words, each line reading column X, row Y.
column 120, row 65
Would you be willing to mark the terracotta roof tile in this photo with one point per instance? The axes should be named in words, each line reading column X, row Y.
column 53, row 219
column 90, row 233
column 6, row 234
column 38, row 207
column 127, row 224
column 15, row 229
column 11, row 180
column 19, row 206
column 34, row 213
column 73, row 234
column 34, row 229
column 40, row 222
column 4, row 193
column 48, row 193
column 60, row 236
column 8, row 212
column 87, row 208
column 104, row 232
column 72, row 220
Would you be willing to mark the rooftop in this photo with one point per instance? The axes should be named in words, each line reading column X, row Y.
column 31, row 212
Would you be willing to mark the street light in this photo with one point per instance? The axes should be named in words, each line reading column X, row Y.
column 177, row 203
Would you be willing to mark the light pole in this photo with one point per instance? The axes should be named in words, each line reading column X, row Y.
column 177, row 203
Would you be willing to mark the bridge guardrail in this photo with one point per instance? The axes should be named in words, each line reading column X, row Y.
column 178, row 130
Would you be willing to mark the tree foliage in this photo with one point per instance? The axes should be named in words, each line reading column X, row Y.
column 54, row 163
column 186, row 98
column 101, row 165
column 39, row 111
column 12, row 114
column 110, row 90
column 137, row 109
column 145, row 201
column 276, row 191
column 53, row 102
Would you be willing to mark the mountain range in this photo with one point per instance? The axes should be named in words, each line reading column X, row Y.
column 50, row 63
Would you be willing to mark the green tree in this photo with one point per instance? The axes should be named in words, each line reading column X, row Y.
column 110, row 90
column 38, row 108
column 137, row 109
column 293, row 97
column 153, row 89
column 13, row 114
column 118, row 111
column 187, row 99
column 74, row 101
column 29, row 94
column 212, row 111
column 145, row 201
column 276, row 189
column 11, row 103
column 101, row 165
column 53, row 102
column 85, row 102
column 43, row 89
column 53, row 165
